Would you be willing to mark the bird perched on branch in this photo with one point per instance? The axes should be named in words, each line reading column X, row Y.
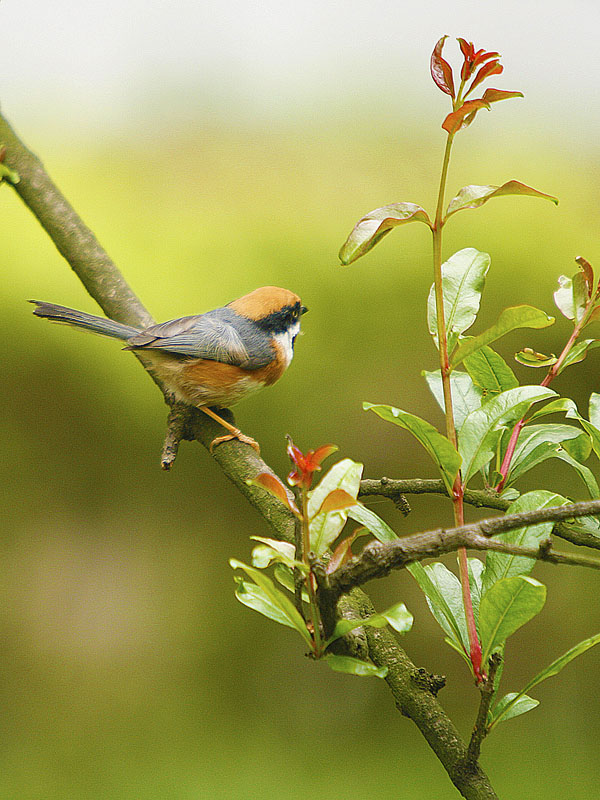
column 213, row 359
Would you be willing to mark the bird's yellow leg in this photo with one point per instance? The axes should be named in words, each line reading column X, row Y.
column 235, row 433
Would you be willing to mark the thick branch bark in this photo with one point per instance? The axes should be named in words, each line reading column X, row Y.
column 393, row 489
column 239, row 462
column 379, row 559
column 414, row 694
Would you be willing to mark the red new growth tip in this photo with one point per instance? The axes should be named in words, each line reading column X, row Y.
column 491, row 68
column 306, row 463
column 478, row 65
column 472, row 59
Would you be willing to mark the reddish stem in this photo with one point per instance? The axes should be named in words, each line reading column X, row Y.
column 550, row 375
column 458, row 488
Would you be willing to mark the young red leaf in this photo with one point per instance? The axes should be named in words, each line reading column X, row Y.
column 466, row 48
column 491, row 68
column 468, row 52
column 441, row 71
column 494, row 95
column 306, row 463
column 469, row 118
column 456, row 119
column 481, row 56
column 342, row 553
column 337, row 500
column 275, row 487
column 323, row 452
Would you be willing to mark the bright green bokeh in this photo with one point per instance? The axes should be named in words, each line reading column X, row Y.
column 129, row 669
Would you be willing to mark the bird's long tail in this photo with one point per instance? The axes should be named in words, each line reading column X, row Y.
column 101, row 325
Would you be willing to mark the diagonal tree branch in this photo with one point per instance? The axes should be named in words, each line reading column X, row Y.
column 239, row 462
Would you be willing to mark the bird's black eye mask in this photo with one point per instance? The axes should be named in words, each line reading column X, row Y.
column 279, row 321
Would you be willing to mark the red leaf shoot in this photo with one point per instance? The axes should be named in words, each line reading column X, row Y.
column 441, row 71
column 456, row 119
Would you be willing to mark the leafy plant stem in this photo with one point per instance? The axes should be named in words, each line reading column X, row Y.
column 315, row 617
column 550, row 375
column 555, row 368
column 458, row 489
column 480, row 730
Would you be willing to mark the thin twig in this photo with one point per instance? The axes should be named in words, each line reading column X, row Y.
column 179, row 416
column 393, row 489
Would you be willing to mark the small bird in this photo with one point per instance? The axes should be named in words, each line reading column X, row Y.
column 213, row 359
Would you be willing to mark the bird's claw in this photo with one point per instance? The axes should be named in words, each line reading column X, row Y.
column 239, row 436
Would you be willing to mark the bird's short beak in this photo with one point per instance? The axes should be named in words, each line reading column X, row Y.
column 303, row 310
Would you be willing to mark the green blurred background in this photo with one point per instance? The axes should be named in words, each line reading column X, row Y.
column 129, row 669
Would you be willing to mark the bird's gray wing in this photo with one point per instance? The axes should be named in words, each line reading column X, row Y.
column 216, row 336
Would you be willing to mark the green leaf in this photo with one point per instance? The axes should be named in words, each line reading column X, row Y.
column 326, row 527
column 482, row 429
column 500, row 565
column 466, row 397
column 586, row 475
column 274, row 551
column 538, row 443
column 505, row 607
column 380, row 529
column 273, row 601
column 399, row 617
column 509, row 320
column 253, row 597
column 285, row 549
column 530, row 358
column 594, row 409
column 476, row 569
column 578, row 352
column 561, row 662
column 476, row 196
column 558, row 406
column 463, row 279
column 489, row 372
column 578, row 447
column 591, row 429
column 443, row 592
column 369, row 230
column 284, row 575
column 552, row 669
column 439, row 448
column 353, row 666
column 345, row 626
column 571, row 296
column 511, row 705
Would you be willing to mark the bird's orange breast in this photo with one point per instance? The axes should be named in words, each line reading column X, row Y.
column 202, row 382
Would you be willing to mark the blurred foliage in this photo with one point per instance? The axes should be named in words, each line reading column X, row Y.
column 130, row 670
